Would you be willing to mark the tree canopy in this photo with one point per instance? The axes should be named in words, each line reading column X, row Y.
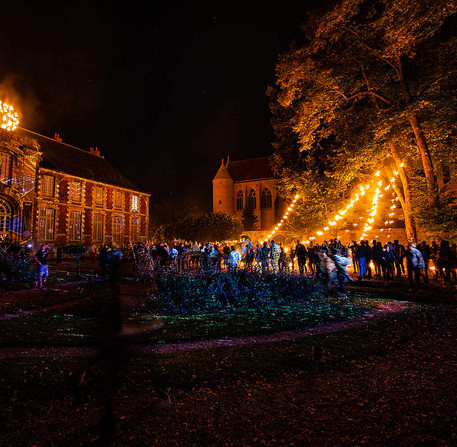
column 209, row 227
column 372, row 86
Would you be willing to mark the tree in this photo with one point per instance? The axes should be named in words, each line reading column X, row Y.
column 249, row 218
column 361, row 93
column 209, row 227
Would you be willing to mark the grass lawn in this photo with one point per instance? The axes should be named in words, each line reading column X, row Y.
column 388, row 382
column 81, row 323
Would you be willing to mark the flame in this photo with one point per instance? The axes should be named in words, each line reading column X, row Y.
column 9, row 119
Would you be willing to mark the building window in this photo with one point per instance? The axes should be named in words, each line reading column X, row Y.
column 239, row 201
column 134, row 229
column 118, row 199
column 265, row 201
column 5, row 218
column 98, row 195
column 75, row 220
column 134, row 206
column 48, row 186
column 118, row 229
column 5, row 167
column 46, row 219
column 98, row 227
column 75, row 192
column 252, row 201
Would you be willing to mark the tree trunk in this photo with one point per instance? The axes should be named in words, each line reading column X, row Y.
column 427, row 163
column 403, row 194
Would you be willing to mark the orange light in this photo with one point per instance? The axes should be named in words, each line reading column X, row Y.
column 9, row 119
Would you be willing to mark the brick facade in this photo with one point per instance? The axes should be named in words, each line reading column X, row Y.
column 235, row 183
column 43, row 203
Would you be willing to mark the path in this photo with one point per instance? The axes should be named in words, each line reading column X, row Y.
column 384, row 310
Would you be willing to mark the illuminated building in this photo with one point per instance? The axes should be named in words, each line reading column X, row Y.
column 53, row 192
column 238, row 183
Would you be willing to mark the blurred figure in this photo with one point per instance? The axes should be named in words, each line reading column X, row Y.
column 414, row 264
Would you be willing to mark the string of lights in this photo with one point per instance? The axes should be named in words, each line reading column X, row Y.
column 340, row 215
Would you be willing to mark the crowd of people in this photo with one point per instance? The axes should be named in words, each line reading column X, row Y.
column 328, row 261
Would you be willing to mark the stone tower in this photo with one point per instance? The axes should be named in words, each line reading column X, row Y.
column 223, row 191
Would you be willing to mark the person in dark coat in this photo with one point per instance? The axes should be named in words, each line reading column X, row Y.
column 444, row 260
column 387, row 263
column 399, row 252
column 376, row 251
column 301, row 253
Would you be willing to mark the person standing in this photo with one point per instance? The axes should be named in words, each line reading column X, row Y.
column 362, row 256
column 414, row 264
column 424, row 248
column 399, row 252
column 41, row 258
column 387, row 263
column 444, row 260
column 275, row 255
column 265, row 257
column 234, row 259
column 301, row 253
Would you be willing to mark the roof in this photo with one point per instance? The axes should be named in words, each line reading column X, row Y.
column 251, row 169
column 222, row 173
column 71, row 160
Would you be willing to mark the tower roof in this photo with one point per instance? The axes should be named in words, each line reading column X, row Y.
column 223, row 173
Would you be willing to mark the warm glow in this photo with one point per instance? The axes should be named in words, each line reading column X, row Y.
column 9, row 119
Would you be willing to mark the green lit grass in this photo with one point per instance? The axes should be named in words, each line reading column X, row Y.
column 81, row 324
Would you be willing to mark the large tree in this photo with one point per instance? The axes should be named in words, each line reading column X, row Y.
column 211, row 227
column 372, row 86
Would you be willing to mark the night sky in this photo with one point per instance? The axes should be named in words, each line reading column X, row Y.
column 164, row 89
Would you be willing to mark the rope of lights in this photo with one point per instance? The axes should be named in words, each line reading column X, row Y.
column 362, row 190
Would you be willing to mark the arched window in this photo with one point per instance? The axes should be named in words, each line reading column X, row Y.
column 239, row 200
column 252, row 201
column 5, row 218
column 265, row 201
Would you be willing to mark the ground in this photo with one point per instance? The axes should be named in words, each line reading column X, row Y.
column 383, row 381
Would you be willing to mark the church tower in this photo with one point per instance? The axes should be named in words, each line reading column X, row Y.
column 223, row 191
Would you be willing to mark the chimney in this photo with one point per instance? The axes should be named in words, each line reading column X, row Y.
column 57, row 138
column 95, row 151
